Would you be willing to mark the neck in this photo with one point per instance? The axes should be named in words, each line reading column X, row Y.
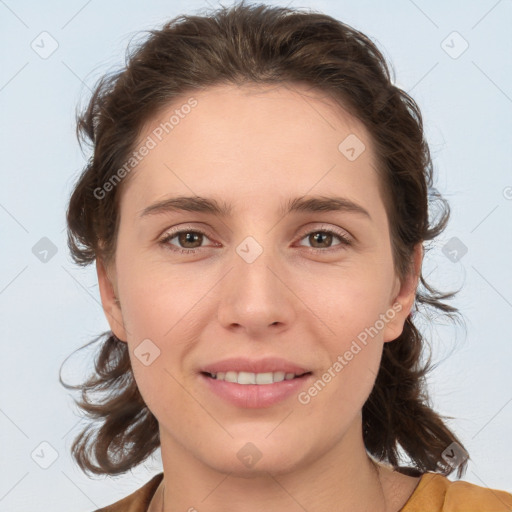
column 342, row 479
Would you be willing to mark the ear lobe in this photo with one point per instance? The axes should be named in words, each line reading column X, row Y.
column 110, row 302
column 404, row 300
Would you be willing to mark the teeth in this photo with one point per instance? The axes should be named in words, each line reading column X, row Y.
column 253, row 378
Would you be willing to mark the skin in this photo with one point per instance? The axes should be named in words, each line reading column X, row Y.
column 255, row 147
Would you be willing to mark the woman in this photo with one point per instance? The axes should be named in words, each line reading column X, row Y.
column 256, row 204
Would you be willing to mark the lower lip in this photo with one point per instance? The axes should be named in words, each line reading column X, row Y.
column 254, row 396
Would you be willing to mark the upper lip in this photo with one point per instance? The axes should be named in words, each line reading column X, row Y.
column 266, row 365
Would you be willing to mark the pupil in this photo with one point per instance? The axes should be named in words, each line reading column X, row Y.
column 317, row 237
column 189, row 238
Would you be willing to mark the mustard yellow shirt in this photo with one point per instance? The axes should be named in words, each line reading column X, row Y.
column 434, row 493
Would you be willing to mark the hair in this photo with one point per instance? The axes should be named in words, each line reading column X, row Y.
column 260, row 44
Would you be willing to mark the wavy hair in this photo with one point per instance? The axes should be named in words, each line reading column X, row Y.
column 263, row 45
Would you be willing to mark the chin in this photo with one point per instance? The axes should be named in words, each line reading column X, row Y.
column 252, row 459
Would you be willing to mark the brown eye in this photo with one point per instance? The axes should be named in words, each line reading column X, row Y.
column 190, row 237
column 323, row 239
column 320, row 238
column 184, row 240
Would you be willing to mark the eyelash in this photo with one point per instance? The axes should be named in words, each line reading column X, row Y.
column 344, row 240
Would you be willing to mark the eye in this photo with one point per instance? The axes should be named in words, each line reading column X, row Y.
column 188, row 239
column 322, row 239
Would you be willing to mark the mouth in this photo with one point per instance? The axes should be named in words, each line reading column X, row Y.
column 254, row 383
column 258, row 379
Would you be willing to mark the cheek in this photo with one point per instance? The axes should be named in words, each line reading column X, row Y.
column 355, row 311
column 353, row 301
column 158, row 300
column 354, row 353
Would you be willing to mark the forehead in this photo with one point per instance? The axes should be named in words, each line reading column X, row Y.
column 255, row 140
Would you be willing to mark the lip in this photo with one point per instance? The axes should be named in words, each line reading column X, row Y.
column 254, row 396
column 268, row 364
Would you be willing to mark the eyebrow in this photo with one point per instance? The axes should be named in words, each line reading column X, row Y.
column 221, row 209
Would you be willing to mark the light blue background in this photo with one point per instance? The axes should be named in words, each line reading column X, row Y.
column 50, row 309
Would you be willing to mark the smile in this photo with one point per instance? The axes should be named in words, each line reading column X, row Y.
column 249, row 390
column 253, row 378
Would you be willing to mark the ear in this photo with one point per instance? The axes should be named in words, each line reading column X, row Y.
column 403, row 298
column 109, row 301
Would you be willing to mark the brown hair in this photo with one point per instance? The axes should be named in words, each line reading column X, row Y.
column 263, row 45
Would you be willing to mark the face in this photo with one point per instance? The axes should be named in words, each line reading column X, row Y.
column 292, row 272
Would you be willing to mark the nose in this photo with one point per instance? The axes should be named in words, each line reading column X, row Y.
column 256, row 297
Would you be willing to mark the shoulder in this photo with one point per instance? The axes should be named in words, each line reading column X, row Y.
column 139, row 500
column 436, row 493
